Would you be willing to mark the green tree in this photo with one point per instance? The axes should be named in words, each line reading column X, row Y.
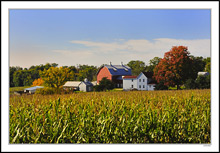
column 104, row 84
column 198, row 64
column 153, row 63
column 207, row 65
column 55, row 77
column 12, row 70
column 190, row 84
column 203, row 82
column 27, row 78
column 88, row 72
column 137, row 67
column 160, row 86
column 18, row 78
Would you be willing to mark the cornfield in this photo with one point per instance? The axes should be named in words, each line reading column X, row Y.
column 112, row 117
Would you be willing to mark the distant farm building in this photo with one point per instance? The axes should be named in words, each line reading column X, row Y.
column 203, row 73
column 143, row 81
column 114, row 73
column 94, row 83
column 85, row 85
column 32, row 90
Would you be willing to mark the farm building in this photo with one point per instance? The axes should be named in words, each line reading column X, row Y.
column 32, row 90
column 94, row 83
column 114, row 73
column 79, row 85
column 203, row 73
column 143, row 81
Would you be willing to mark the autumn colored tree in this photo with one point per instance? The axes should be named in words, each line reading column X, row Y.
column 174, row 68
column 55, row 77
column 37, row 82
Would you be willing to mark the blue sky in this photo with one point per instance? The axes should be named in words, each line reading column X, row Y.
column 95, row 37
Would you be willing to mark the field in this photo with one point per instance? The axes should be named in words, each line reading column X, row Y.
column 112, row 117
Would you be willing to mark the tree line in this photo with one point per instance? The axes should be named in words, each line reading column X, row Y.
column 26, row 76
column 176, row 68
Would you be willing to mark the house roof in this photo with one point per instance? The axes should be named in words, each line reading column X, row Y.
column 129, row 77
column 72, row 83
column 87, row 83
column 117, row 69
column 76, row 83
column 148, row 74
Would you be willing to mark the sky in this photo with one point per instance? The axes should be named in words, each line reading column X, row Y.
column 96, row 37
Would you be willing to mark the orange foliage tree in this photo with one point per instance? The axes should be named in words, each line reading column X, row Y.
column 37, row 82
column 175, row 67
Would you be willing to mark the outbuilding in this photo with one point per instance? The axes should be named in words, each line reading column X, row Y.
column 85, row 85
column 32, row 90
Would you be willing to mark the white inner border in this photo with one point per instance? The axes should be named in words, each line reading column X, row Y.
column 110, row 5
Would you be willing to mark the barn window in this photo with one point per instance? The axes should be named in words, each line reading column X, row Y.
column 139, row 80
column 132, row 80
column 139, row 86
column 143, row 80
column 132, row 86
column 143, row 86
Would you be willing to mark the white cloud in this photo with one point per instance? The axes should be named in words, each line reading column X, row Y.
column 97, row 53
column 196, row 47
column 121, row 50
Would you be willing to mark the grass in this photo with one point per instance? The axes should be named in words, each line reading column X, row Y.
column 181, row 116
column 13, row 89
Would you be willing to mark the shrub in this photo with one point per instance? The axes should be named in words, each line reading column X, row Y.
column 104, row 85
column 46, row 91
column 160, row 86
column 203, row 82
column 190, row 84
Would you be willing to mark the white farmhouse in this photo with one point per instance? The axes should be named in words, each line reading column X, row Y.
column 141, row 82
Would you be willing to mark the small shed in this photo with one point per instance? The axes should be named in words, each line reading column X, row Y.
column 74, row 85
column 32, row 90
column 86, row 86
column 79, row 85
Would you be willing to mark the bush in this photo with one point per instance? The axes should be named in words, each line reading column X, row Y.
column 104, row 85
column 45, row 91
column 190, row 84
column 203, row 82
column 160, row 86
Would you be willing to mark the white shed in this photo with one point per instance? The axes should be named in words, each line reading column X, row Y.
column 79, row 85
column 32, row 90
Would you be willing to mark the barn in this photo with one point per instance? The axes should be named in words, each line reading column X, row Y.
column 113, row 73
